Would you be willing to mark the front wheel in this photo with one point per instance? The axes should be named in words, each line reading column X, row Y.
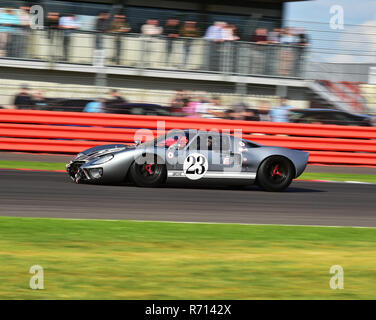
column 275, row 173
column 148, row 174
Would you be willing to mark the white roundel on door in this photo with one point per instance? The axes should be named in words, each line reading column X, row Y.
column 195, row 166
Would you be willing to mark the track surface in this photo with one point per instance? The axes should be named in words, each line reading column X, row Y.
column 45, row 194
column 20, row 156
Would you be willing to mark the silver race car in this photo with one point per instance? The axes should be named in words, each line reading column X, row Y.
column 190, row 156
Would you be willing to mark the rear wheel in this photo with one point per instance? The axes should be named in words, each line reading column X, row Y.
column 148, row 173
column 275, row 173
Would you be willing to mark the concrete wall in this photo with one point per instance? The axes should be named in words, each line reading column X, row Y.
column 355, row 72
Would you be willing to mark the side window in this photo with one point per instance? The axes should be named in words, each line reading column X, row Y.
column 195, row 144
column 225, row 144
column 215, row 142
column 206, row 142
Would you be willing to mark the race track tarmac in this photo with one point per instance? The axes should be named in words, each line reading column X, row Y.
column 52, row 194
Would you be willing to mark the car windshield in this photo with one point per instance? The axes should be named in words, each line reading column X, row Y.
column 168, row 140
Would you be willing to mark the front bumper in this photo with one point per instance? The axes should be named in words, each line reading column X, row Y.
column 79, row 174
column 75, row 171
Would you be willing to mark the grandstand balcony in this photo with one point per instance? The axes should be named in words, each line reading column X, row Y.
column 138, row 52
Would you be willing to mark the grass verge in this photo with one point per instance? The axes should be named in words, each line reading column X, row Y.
column 93, row 259
column 370, row 178
column 34, row 165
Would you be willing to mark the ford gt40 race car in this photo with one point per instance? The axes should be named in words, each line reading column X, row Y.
column 190, row 156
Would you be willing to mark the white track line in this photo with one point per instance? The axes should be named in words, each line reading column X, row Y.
column 199, row 222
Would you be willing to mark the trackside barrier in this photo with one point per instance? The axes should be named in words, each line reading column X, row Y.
column 72, row 132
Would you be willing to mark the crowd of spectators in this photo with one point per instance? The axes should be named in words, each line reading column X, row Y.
column 201, row 105
column 198, row 104
column 14, row 28
column 27, row 99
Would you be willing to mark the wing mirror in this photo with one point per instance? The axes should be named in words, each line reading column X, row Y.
column 138, row 142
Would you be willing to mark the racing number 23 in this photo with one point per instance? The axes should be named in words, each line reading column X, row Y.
column 195, row 166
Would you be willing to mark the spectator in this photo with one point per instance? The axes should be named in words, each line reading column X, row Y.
column 149, row 31
column 236, row 112
column 190, row 108
column 39, row 101
column 189, row 31
column 178, row 102
column 230, row 52
column 214, row 35
column 52, row 24
column 281, row 112
column 171, row 32
column 259, row 52
column 264, row 109
column 68, row 24
column 251, row 114
column 214, row 32
column 302, row 43
column 274, row 36
column 115, row 100
column 25, row 19
column 214, row 109
column 303, row 40
column 260, row 36
column 228, row 33
column 287, row 52
column 202, row 105
column 102, row 26
column 8, row 23
column 288, row 36
column 23, row 99
column 119, row 27
column 95, row 106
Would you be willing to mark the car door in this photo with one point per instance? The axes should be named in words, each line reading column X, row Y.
column 211, row 156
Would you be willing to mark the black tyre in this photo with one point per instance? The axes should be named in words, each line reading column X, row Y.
column 275, row 173
column 146, row 174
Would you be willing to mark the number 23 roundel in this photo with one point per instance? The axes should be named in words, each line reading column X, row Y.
column 195, row 166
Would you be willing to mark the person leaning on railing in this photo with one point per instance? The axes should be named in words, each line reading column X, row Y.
column 68, row 24
column 52, row 24
column 9, row 21
column 149, row 31
column 101, row 26
column 120, row 27
column 25, row 20
column 171, row 31
column 188, row 32
column 214, row 37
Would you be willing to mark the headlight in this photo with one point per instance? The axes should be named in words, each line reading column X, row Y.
column 103, row 159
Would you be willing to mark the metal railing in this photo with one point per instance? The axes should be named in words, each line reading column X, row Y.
column 139, row 51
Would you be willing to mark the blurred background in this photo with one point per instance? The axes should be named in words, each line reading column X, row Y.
column 242, row 60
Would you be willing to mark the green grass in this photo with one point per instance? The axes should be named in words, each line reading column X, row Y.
column 85, row 259
column 34, row 165
column 307, row 175
column 339, row 177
